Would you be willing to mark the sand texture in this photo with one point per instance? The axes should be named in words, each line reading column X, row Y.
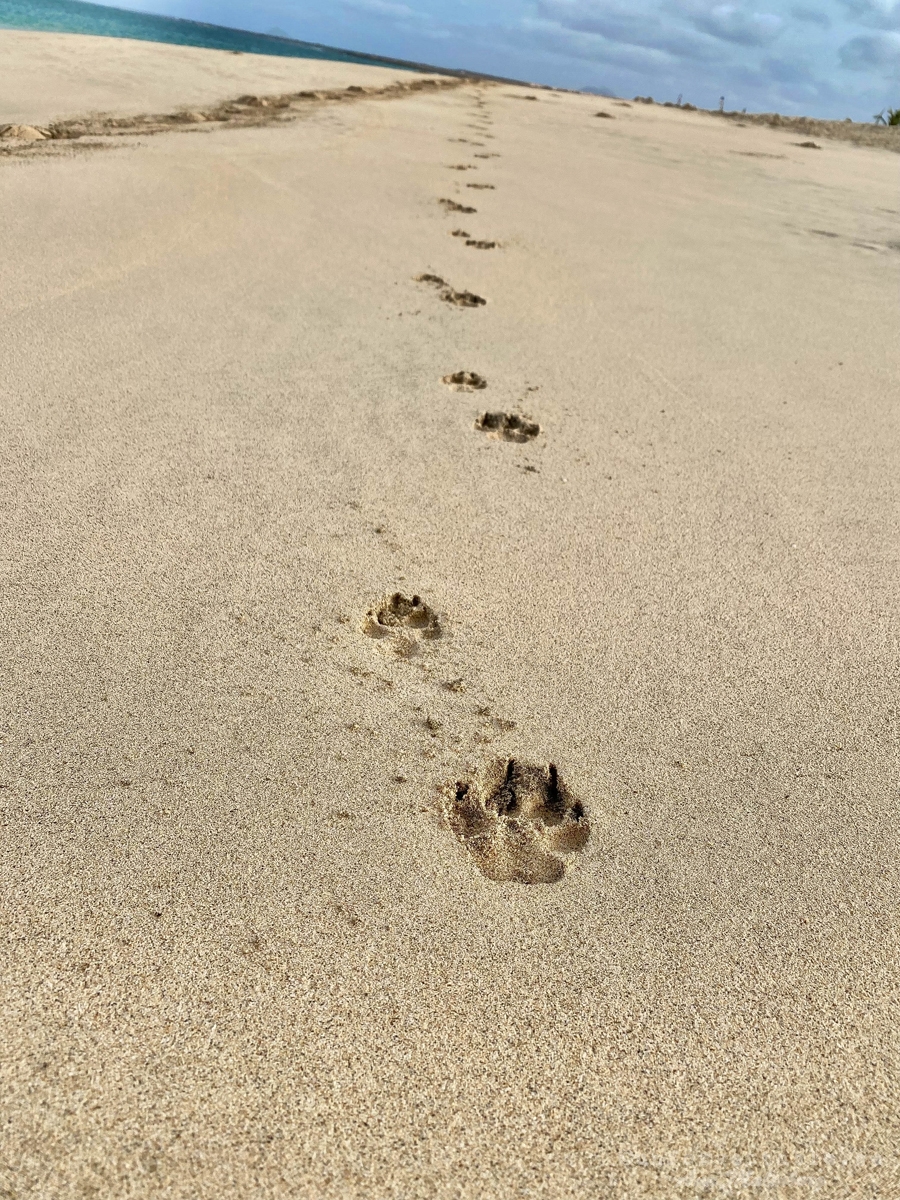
column 448, row 743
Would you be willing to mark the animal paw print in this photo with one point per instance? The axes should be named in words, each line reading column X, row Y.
column 464, row 381
column 449, row 294
column 508, row 426
column 401, row 623
column 518, row 822
column 453, row 206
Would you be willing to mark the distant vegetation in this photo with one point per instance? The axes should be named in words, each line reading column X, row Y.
column 888, row 116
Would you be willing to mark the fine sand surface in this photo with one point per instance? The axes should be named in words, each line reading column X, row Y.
column 252, row 947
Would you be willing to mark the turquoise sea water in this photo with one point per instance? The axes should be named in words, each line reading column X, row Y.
column 71, row 16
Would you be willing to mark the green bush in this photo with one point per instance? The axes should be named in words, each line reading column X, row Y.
column 888, row 116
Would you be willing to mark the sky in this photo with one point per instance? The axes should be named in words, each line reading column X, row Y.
column 825, row 58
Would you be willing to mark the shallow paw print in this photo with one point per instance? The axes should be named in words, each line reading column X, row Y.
column 402, row 622
column 518, row 822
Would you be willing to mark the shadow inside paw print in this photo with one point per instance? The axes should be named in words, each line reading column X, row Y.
column 518, row 822
column 402, row 623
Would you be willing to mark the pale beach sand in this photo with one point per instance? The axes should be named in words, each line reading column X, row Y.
column 45, row 76
column 245, row 952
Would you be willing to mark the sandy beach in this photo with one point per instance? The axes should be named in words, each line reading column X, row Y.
column 449, row 582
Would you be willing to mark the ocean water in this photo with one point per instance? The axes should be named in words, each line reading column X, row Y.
column 72, row 16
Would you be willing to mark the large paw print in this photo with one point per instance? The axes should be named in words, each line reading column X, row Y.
column 518, row 822
column 402, row 622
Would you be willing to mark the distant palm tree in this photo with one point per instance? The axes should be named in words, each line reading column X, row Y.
column 888, row 116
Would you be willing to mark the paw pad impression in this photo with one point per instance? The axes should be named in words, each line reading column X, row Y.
column 465, row 381
column 449, row 294
column 452, row 206
column 508, row 426
column 518, row 822
column 402, row 622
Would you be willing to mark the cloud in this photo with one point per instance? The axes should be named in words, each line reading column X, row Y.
column 812, row 16
column 878, row 52
column 380, row 8
column 591, row 46
column 877, row 14
column 731, row 24
column 774, row 53
column 684, row 28
column 789, row 71
column 614, row 24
